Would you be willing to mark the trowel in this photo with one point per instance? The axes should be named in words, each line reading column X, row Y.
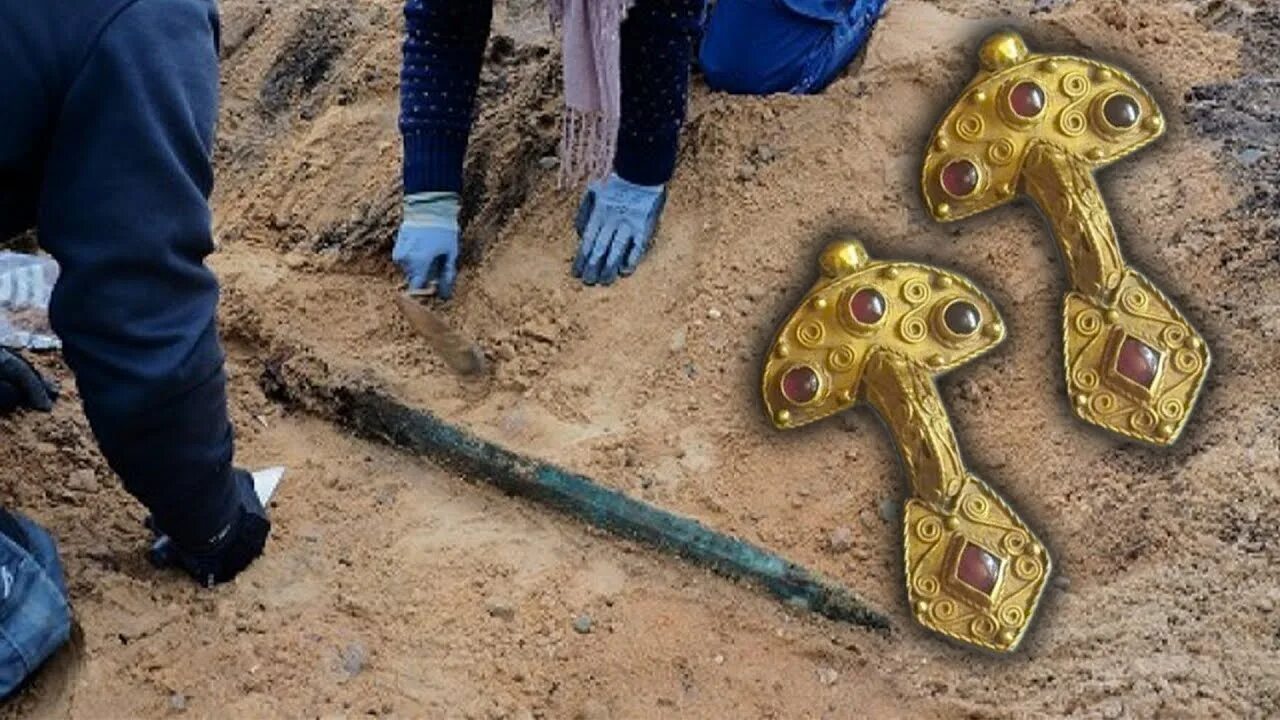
column 455, row 349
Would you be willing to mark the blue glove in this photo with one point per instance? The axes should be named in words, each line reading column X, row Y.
column 616, row 222
column 230, row 551
column 23, row 386
column 427, row 246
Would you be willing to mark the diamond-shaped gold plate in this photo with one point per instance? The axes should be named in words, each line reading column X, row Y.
column 944, row 602
column 1092, row 335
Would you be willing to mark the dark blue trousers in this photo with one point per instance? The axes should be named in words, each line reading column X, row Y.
column 759, row 47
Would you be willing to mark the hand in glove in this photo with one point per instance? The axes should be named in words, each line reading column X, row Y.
column 227, row 553
column 427, row 246
column 616, row 222
column 23, row 386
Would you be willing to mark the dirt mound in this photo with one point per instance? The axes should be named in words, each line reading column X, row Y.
column 394, row 588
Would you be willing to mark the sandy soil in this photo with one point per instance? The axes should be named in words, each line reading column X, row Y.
column 395, row 588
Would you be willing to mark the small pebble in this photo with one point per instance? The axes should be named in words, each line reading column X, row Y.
column 827, row 676
column 83, row 480
column 178, row 702
column 889, row 510
column 500, row 608
column 714, row 314
column 353, row 658
column 549, row 162
column 841, row 539
column 583, row 624
column 678, row 340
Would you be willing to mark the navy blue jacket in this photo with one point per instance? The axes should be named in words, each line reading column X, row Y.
column 106, row 136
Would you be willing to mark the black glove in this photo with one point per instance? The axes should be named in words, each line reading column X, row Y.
column 23, row 386
column 231, row 551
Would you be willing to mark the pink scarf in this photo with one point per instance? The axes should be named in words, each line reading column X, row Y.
column 592, row 41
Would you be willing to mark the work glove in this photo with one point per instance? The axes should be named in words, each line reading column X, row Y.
column 227, row 553
column 427, row 246
column 616, row 222
column 23, row 386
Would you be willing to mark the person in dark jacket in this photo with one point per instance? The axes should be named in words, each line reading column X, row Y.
column 105, row 146
column 759, row 47
column 443, row 51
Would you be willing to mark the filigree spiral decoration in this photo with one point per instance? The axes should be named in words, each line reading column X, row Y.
column 1089, row 322
column 1001, row 151
column 970, row 127
column 927, row 586
column 1103, row 403
column 983, row 626
column 1012, row 615
column 1134, row 300
column 929, row 529
column 1075, row 85
column 913, row 329
column 1087, row 379
column 1014, row 542
column 1172, row 408
column 975, row 507
column 1186, row 361
column 1027, row 567
column 944, row 610
column 916, row 291
column 810, row 334
column 1143, row 420
column 842, row 359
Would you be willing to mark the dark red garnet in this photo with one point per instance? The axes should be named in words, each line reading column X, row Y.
column 1121, row 111
column 1026, row 99
column 1138, row 361
column 962, row 317
column 960, row 178
column 800, row 384
column 867, row 306
column 978, row 568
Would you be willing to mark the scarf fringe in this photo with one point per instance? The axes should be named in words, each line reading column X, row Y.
column 587, row 146
column 589, row 136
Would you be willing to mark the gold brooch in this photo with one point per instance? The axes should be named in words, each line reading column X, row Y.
column 1040, row 125
column 881, row 331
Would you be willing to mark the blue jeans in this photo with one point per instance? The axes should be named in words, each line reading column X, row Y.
column 759, row 47
column 34, row 617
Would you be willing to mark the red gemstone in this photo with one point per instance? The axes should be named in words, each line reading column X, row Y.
column 978, row 568
column 1138, row 361
column 962, row 318
column 1121, row 111
column 867, row 306
column 800, row 384
column 960, row 178
column 1026, row 99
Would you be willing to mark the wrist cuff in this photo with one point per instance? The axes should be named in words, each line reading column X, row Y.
column 433, row 161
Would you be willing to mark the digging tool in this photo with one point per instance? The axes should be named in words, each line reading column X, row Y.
column 456, row 350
